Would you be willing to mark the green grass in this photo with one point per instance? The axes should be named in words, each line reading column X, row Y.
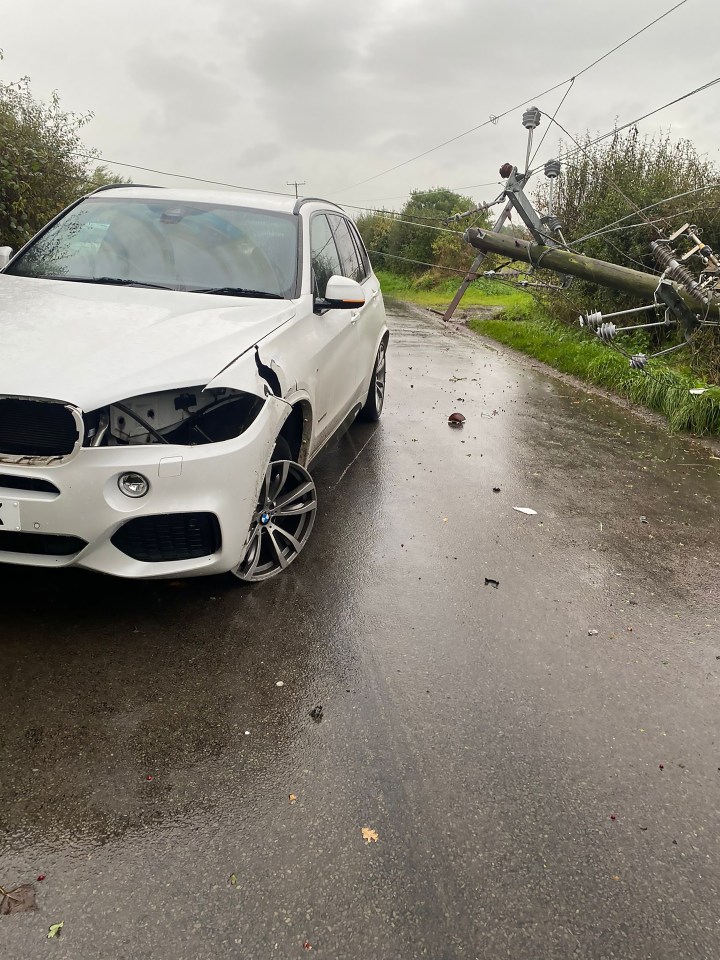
column 437, row 295
column 665, row 390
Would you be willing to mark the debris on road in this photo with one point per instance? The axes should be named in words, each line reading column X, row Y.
column 369, row 835
column 55, row 929
column 526, row 510
column 489, row 582
column 233, row 879
column 496, row 489
column 593, row 633
column 317, row 713
column 292, row 798
column 19, row 900
column 456, row 419
column 280, row 683
column 644, row 520
column 307, row 945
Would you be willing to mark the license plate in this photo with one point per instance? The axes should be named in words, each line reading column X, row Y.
column 9, row 515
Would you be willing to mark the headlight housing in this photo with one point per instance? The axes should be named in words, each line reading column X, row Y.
column 189, row 417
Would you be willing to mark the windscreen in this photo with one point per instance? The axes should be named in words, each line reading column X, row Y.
column 195, row 247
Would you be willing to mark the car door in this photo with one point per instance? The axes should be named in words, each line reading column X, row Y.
column 334, row 334
column 370, row 318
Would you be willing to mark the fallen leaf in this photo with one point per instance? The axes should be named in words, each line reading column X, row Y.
column 369, row 835
column 55, row 929
column 292, row 798
column 233, row 880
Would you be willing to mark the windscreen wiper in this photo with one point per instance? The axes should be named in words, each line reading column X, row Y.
column 239, row 292
column 112, row 281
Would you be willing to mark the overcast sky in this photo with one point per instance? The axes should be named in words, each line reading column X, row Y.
column 335, row 91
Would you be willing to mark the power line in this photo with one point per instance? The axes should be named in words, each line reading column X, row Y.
column 631, row 123
column 494, row 118
column 180, row 176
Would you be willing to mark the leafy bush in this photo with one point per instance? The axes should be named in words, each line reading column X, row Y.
column 44, row 165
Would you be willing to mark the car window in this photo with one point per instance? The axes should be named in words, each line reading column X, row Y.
column 324, row 255
column 346, row 247
column 184, row 246
column 362, row 253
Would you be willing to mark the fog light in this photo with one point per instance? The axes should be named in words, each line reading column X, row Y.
column 133, row 485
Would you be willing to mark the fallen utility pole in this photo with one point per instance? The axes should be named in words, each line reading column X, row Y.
column 604, row 274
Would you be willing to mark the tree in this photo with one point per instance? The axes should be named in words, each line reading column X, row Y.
column 44, row 164
column 420, row 233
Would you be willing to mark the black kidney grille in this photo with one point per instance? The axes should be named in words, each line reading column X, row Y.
column 169, row 536
column 36, row 428
column 47, row 544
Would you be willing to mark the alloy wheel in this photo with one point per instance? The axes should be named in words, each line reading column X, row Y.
column 282, row 522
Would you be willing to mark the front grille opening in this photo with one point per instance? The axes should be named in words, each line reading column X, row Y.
column 9, row 482
column 40, row 544
column 169, row 536
column 36, row 428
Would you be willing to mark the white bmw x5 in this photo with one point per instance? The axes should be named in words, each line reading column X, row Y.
column 171, row 361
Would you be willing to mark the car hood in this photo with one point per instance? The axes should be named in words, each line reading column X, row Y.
column 90, row 344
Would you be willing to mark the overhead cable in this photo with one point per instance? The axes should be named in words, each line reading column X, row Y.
column 536, row 96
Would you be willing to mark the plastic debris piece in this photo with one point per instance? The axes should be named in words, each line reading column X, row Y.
column 661, row 766
column 55, row 929
column 697, row 391
column 149, row 777
column 369, row 835
column 593, row 633
column 247, row 733
column 526, row 510
column 644, row 520
column 317, row 713
column 233, row 879
column 280, row 683
column 41, row 876
column 489, row 582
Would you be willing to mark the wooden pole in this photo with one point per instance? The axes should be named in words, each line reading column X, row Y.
column 642, row 285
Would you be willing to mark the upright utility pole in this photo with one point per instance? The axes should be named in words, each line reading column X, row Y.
column 296, row 184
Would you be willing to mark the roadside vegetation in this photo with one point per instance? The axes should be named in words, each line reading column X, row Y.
column 44, row 164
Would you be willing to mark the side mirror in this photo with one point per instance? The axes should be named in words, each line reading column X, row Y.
column 341, row 293
column 5, row 255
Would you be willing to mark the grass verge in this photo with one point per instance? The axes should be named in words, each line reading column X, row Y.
column 664, row 390
column 436, row 295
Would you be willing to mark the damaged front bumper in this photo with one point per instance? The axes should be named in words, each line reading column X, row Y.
column 193, row 521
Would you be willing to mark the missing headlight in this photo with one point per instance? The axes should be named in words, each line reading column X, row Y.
column 189, row 417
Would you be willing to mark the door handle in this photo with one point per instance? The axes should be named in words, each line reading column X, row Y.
column 354, row 317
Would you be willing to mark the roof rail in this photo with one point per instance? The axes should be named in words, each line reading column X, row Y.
column 302, row 200
column 115, row 186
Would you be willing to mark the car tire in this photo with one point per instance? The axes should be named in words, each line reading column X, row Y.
column 372, row 410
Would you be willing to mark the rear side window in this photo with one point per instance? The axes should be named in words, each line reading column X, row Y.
column 323, row 254
column 362, row 252
column 352, row 265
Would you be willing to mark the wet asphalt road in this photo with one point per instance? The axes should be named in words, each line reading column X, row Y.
column 485, row 736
